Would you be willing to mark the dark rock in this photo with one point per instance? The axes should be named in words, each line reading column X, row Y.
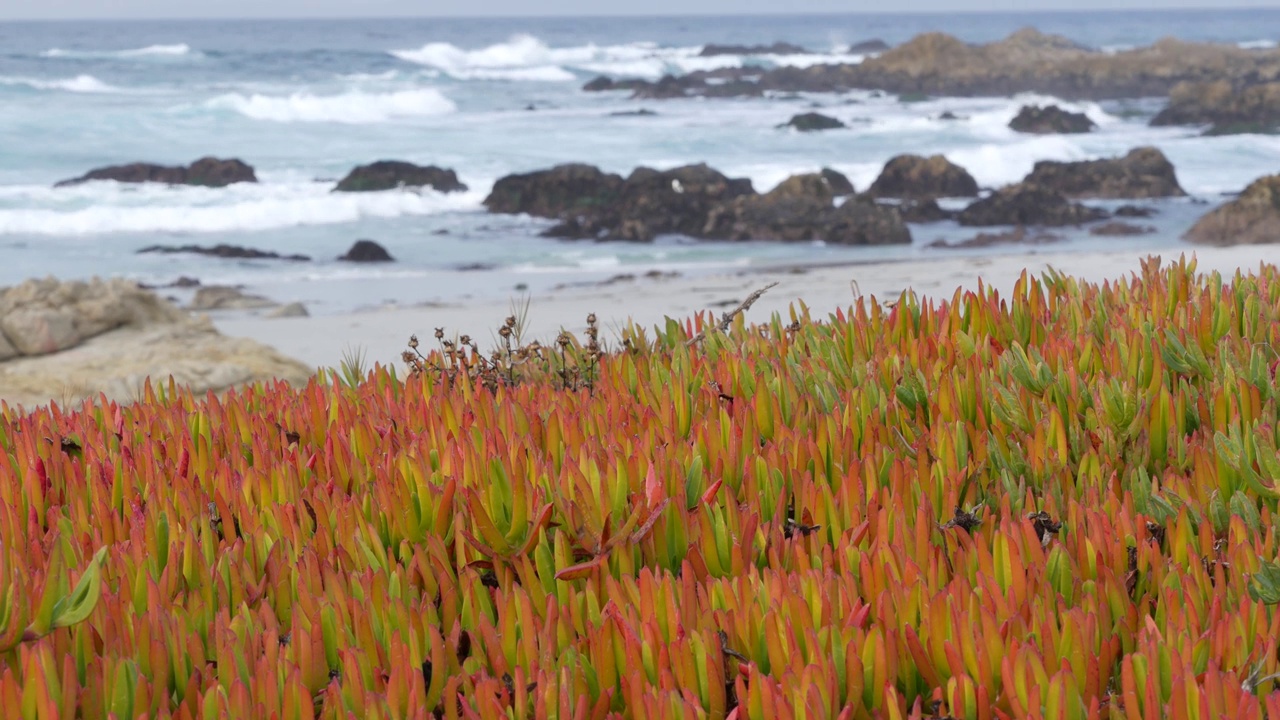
column 1251, row 219
column 780, row 215
column 1228, row 108
column 1026, row 204
column 367, row 251
column 838, row 182
column 921, row 177
column 778, row 48
column 1134, row 211
column 1143, row 173
column 867, row 47
column 183, row 281
column 207, row 172
column 948, row 115
column 552, row 193
column 1016, row 236
column 475, row 267
column 642, row 112
column 222, row 251
column 1120, row 229
column 924, row 210
column 1050, row 120
column 812, row 121
column 392, row 174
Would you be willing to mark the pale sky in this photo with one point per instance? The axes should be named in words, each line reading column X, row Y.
column 139, row 9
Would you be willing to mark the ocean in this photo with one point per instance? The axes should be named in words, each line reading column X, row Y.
column 305, row 101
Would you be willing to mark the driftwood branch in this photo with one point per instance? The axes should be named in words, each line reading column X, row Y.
column 727, row 319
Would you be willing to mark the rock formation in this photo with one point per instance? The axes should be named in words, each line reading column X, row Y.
column 915, row 176
column 207, row 171
column 367, row 251
column 1143, row 173
column 1224, row 106
column 1035, row 120
column 1253, row 218
column 812, row 121
column 393, row 174
column 1027, row 204
column 222, row 251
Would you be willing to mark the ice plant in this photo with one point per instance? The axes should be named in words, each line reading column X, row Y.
column 1056, row 504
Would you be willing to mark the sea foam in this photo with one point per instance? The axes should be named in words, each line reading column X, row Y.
column 159, row 51
column 77, row 84
column 354, row 107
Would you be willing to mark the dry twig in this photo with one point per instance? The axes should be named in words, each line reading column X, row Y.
column 727, row 318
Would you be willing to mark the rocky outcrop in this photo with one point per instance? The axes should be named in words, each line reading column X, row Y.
column 1026, row 61
column 1035, row 120
column 867, row 47
column 1253, row 218
column 812, row 121
column 366, row 251
column 1116, row 228
column 778, row 48
column 225, row 297
column 207, row 172
column 69, row 341
column 915, row 176
column 46, row 316
column 696, row 201
column 1017, row 236
column 293, row 309
column 1226, row 107
column 554, row 192
column 393, row 174
column 1134, row 211
column 1027, row 204
column 924, row 210
column 222, row 251
column 1143, row 173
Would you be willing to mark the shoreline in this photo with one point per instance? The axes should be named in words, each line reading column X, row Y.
column 383, row 334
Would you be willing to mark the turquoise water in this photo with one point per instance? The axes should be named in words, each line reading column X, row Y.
column 304, row 101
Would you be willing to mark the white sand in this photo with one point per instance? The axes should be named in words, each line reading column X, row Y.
column 382, row 335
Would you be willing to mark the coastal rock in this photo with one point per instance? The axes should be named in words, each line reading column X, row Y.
column 778, row 48
column 124, row 336
column 1227, row 107
column 1134, row 211
column 1143, row 173
column 551, row 193
column 1050, row 120
column 223, row 297
column 812, row 121
column 1253, row 218
column 1120, row 229
column 920, row 177
column 923, row 210
column 366, row 251
column 838, row 182
column 1027, row 204
column 786, row 215
column 393, row 174
column 293, row 309
column 207, row 171
column 652, row 203
column 1017, row 236
column 868, row 47
column 43, row 316
column 222, row 251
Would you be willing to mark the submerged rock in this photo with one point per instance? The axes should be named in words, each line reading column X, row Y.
column 225, row 297
column 1251, row 219
column 907, row 176
column 812, row 121
column 207, row 172
column 1027, row 204
column 365, row 251
column 222, row 251
column 924, row 210
column 778, row 48
column 393, row 174
column 1143, row 173
column 1016, row 236
column 1050, row 120
column 1120, row 229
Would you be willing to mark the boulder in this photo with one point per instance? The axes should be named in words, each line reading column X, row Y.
column 778, row 48
column 393, row 174
column 1226, row 107
column 1253, row 218
column 1116, row 228
column 43, row 316
column 207, row 171
column 293, row 309
column 1027, row 204
column 551, row 193
column 1134, row 211
column 923, row 210
column 222, row 251
column 812, row 122
column 867, row 47
column 907, row 176
column 1016, row 236
column 1050, row 120
column 782, row 215
column 652, row 203
column 838, row 182
column 1143, row 173
column 224, row 297
column 124, row 336
column 366, row 251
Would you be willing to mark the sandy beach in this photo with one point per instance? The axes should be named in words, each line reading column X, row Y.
column 382, row 334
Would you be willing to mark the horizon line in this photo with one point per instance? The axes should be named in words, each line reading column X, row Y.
column 633, row 16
